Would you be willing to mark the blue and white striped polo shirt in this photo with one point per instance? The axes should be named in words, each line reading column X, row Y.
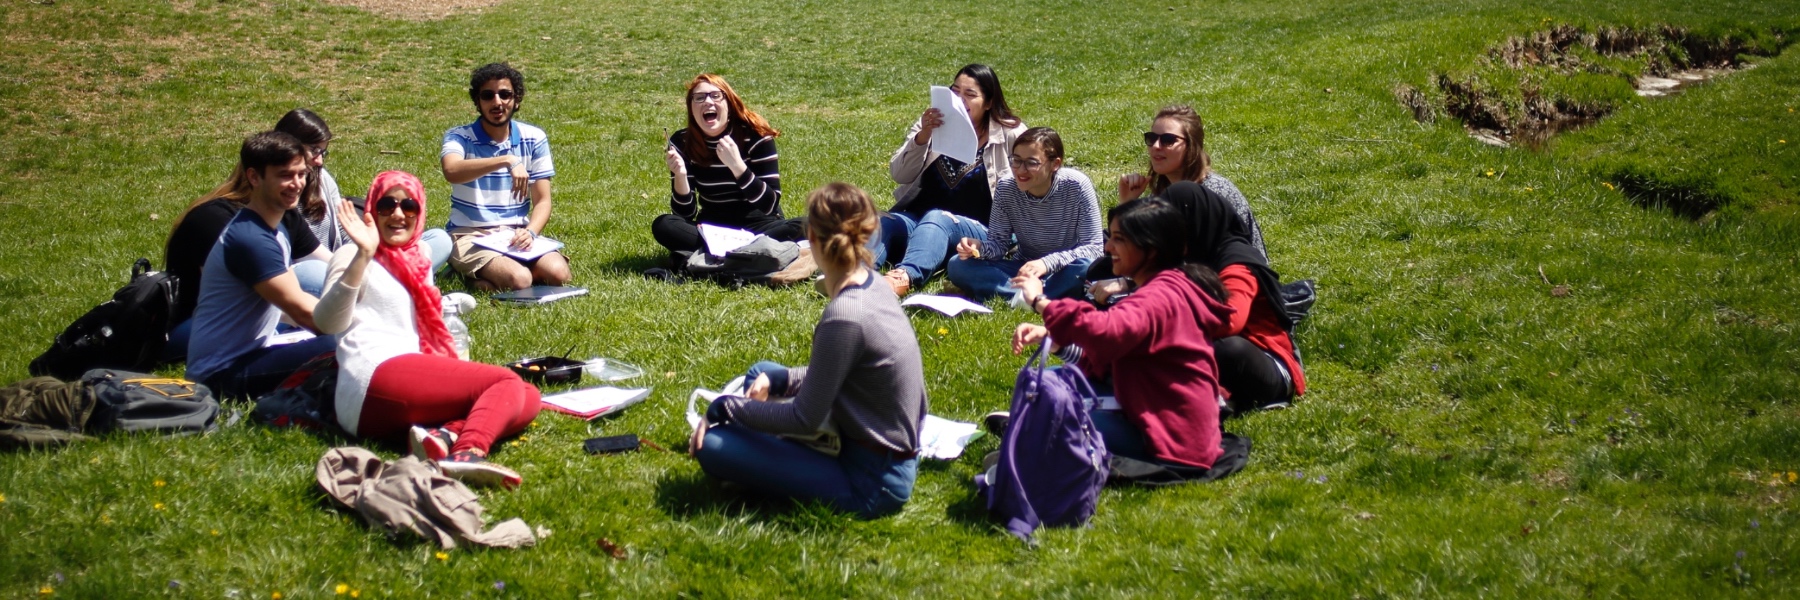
column 488, row 200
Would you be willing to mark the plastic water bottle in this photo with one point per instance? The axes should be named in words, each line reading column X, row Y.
column 459, row 332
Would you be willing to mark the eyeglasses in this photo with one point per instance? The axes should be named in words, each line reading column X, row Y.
column 489, row 95
column 712, row 96
column 1026, row 165
column 385, row 206
column 1168, row 139
column 318, row 151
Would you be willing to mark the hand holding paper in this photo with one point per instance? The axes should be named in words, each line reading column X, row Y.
column 956, row 138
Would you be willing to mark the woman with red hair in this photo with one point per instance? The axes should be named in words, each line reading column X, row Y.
column 722, row 171
column 397, row 367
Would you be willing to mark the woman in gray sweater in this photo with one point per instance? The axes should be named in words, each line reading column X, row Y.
column 865, row 380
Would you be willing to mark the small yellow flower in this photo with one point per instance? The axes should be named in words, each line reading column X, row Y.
column 342, row 589
column 157, row 506
column 1608, row 185
column 943, row 331
column 1528, row 188
column 45, row 591
column 94, row 460
column 1490, row 173
column 355, row 593
column 1792, row 476
column 275, row 596
column 159, row 483
column 513, row 444
column 524, row 438
column 442, row 556
column 215, row 532
column 1782, row 141
column 2, row 498
column 105, row 519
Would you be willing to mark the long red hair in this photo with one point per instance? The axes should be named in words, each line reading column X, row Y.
column 742, row 120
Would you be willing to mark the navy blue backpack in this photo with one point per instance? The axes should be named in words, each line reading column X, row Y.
column 1052, row 461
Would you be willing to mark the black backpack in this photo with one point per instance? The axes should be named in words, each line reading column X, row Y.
column 127, row 332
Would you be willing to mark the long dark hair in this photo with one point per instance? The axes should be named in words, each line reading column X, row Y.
column 741, row 121
column 1158, row 227
column 306, row 126
column 984, row 77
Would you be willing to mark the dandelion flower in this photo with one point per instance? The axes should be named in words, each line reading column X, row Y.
column 157, row 506
column 105, row 519
column 442, row 556
column 1490, row 172
column 355, row 593
column 1608, row 185
column 2, row 498
column 1792, row 476
column 159, row 483
column 215, row 532
column 342, row 589
column 46, row 590
column 524, row 438
column 275, row 596
column 943, row 331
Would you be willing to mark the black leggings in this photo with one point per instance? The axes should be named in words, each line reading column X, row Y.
column 1250, row 374
column 678, row 235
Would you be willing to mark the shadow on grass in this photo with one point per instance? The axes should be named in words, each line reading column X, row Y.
column 634, row 265
column 693, row 494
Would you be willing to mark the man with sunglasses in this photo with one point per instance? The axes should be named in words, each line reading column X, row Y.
column 500, row 172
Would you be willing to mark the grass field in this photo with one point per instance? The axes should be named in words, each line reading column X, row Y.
column 1468, row 432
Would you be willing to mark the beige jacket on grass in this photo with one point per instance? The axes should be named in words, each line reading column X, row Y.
column 409, row 495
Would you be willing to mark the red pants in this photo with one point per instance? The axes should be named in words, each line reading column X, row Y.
column 478, row 402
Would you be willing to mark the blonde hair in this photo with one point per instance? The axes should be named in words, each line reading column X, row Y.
column 840, row 219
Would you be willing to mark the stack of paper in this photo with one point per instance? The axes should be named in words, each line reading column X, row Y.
column 501, row 241
column 594, row 402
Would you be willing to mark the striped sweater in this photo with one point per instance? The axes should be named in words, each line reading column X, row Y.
column 715, row 196
column 1058, row 228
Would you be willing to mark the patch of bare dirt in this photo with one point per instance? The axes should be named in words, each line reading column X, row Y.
column 1672, row 59
column 418, row 10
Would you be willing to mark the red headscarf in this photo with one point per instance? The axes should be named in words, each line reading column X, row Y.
column 407, row 263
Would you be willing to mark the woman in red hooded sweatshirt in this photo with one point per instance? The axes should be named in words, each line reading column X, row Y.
column 397, row 367
column 1153, row 344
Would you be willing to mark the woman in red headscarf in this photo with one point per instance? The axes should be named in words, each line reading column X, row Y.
column 397, row 367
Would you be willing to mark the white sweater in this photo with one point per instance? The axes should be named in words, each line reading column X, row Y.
column 373, row 322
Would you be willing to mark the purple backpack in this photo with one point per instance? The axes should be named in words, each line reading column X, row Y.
column 1052, row 459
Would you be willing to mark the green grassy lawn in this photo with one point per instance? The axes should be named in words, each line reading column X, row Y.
column 1468, row 432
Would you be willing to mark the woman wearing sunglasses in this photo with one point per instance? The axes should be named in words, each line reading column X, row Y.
column 723, row 170
column 1177, row 148
column 1050, row 210
column 397, row 368
column 941, row 200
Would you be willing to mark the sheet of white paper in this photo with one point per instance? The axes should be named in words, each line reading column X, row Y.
column 949, row 305
column 944, row 439
column 501, row 241
column 720, row 240
column 956, row 138
column 298, row 335
column 605, row 399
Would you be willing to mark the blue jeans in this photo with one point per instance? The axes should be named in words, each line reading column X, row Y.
column 985, row 278
column 858, row 480
column 923, row 243
column 437, row 247
column 311, row 274
column 1123, row 437
column 258, row 372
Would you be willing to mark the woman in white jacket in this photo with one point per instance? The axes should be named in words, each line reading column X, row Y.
column 397, row 367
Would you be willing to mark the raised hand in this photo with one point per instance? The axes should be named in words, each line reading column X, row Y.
column 728, row 154
column 677, row 164
column 360, row 228
column 928, row 122
column 1131, row 185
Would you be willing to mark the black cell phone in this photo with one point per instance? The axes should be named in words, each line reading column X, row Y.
column 609, row 444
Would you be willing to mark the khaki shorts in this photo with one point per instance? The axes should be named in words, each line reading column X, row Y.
column 468, row 258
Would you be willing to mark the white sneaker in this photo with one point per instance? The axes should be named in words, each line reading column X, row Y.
column 430, row 444
column 476, row 471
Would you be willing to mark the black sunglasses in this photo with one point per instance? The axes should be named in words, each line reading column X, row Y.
column 1167, row 139
column 386, row 206
column 502, row 94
